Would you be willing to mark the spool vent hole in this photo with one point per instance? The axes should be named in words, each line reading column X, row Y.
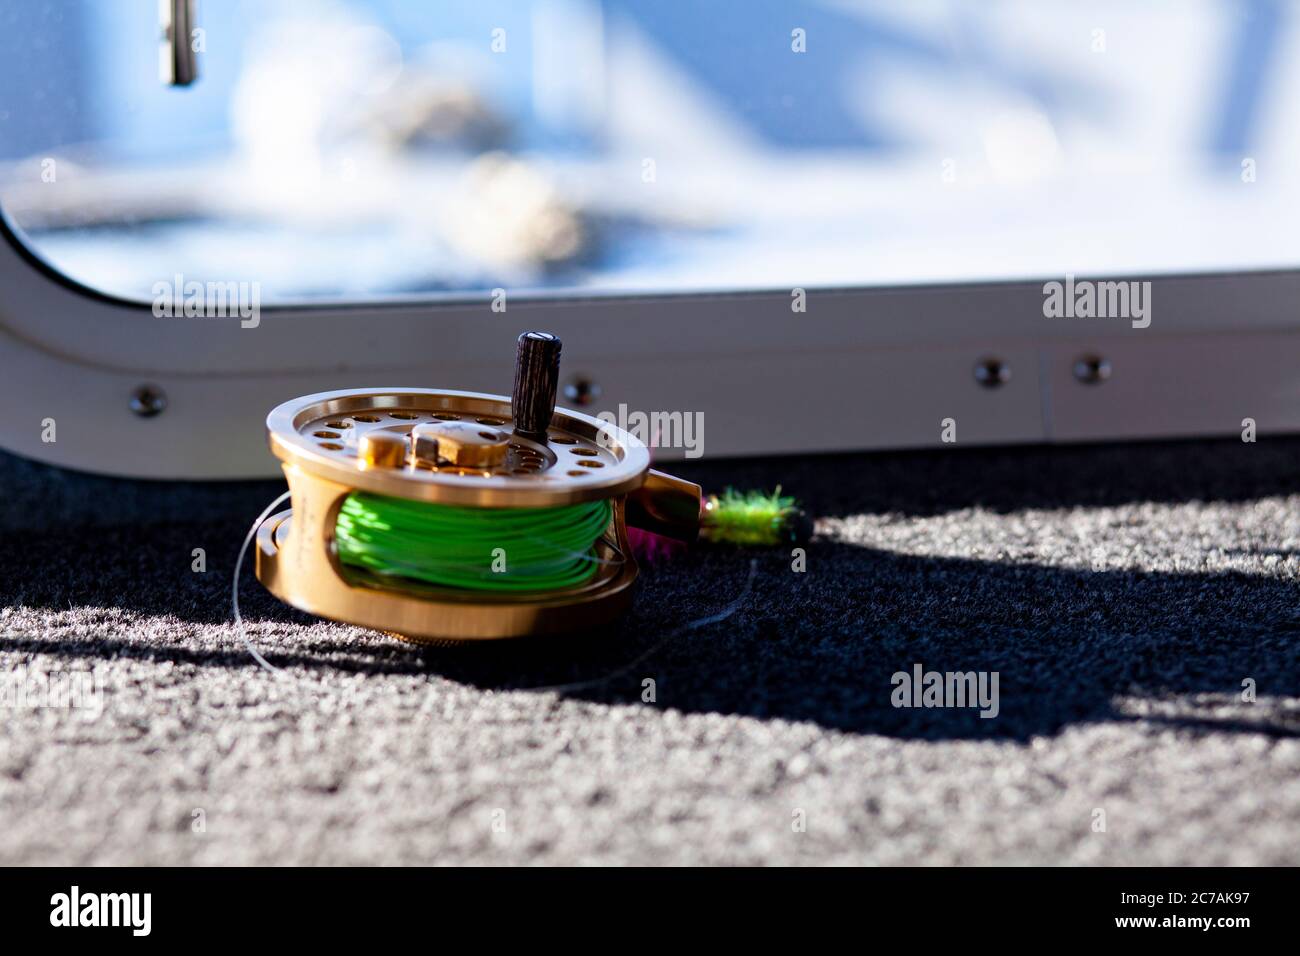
column 584, row 452
column 365, row 418
column 326, row 434
column 404, row 416
column 490, row 421
column 338, row 424
column 331, row 445
column 591, row 463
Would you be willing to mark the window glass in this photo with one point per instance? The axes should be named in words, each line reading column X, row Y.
column 348, row 150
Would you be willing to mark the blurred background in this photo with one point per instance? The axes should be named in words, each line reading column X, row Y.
column 354, row 149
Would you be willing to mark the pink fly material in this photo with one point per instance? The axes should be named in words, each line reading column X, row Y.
column 651, row 548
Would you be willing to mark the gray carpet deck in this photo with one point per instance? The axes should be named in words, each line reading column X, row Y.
column 1123, row 595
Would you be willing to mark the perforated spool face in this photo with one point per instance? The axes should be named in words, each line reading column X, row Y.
column 583, row 458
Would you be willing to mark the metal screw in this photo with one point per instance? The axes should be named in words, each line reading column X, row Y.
column 992, row 372
column 581, row 391
column 1092, row 369
column 148, row 401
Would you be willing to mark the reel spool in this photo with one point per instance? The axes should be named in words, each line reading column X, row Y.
column 454, row 470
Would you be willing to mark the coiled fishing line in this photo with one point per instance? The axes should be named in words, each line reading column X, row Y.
column 479, row 549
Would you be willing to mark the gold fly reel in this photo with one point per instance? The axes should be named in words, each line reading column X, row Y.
column 468, row 449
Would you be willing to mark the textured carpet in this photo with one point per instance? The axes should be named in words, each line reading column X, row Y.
column 1122, row 594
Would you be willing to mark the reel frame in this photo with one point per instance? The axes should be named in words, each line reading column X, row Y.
column 319, row 440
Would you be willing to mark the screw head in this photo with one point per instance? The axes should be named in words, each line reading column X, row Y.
column 1092, row 369
column 148, row 401
column 992, row 372
column 581, row 391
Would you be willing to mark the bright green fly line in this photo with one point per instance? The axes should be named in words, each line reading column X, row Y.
column 479, row 549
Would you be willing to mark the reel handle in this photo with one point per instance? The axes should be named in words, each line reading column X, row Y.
column 537, row 379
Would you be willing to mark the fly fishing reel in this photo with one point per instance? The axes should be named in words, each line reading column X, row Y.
column 441, row 515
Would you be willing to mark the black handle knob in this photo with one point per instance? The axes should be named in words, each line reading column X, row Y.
column 537, row 376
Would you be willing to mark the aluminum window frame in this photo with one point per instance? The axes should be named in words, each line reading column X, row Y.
column 867, row 368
